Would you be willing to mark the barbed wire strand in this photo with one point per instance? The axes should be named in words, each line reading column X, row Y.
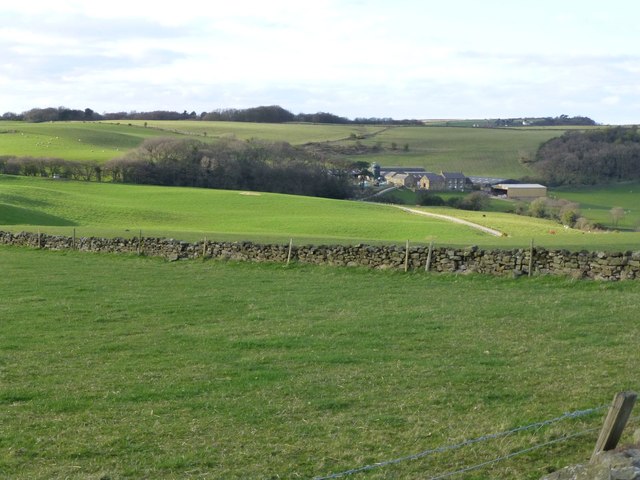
column 514, row 454
column 492, row 436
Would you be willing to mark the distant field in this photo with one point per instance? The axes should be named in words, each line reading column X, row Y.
column 596, row 203
column 128, row 367
column 71, row 140
column 474, row 151
column 294, row 133
column 105, row 209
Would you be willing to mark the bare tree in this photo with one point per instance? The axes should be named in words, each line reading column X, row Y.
column 617, row 214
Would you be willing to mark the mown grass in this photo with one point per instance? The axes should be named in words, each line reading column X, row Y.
column 126, row 367
column 116, row 210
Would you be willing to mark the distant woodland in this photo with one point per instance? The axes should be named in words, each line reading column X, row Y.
column 264, row 114
column 590, row 157
column 228, row 164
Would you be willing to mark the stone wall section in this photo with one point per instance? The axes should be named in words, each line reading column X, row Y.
column 583, row 264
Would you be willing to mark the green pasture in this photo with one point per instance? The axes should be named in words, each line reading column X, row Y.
column 72, row 140
column 107, row 209
column 474, row 151
column 294, row 133
column 126, row 367
column 496, row 152
column 117, row 210
column 596, row 203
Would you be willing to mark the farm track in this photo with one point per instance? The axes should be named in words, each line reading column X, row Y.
column 490, row 231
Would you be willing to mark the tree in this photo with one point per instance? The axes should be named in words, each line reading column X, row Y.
column 539, row 208
column 617, row 214
column 569, row 214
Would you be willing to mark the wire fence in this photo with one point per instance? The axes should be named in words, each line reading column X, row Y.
column 483, row 438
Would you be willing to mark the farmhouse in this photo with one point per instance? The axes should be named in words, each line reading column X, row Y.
column 520, row 190
column 418, row 177
column 431, row 181
column 408, row 180
column 454, row 180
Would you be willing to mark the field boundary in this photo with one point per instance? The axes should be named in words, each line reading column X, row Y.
column 419, row 258
column 484, row 438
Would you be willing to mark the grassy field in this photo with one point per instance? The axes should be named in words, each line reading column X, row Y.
column 596, row 203
column 72, row 140
column 125, row 367
column 116, row 210
column 294, row 133
column 474, row 151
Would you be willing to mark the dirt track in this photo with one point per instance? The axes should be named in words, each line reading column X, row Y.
column 449, row 218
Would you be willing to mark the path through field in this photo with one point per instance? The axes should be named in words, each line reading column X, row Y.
column 449, row 218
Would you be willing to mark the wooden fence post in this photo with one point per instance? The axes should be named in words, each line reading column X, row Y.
column 531, row 257
column 204, row 248
column 614, row 424
column 428, row 264
column 73, row 241
column 290, row 247
column 140, row 243
column 406, row 258
column 39, row 241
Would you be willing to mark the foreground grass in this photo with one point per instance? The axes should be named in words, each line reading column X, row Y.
column 122, row 367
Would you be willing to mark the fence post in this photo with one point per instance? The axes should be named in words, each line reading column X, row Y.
column 406, row 258
column 428, row 264
column 140, row 243
column 39, row 241
column 290, row 247
column 615, row 422
column 531, row 257
column 204, row 248
column 73, row 241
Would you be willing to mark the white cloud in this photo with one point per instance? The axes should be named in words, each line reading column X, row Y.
column 356, row 58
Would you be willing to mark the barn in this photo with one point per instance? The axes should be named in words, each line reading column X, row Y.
column 520, row 190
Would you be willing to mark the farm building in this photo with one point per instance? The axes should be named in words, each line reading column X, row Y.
column 408, row 180
column 431, row 181
column 418, row 177
column 454, row 180
column 520, row 190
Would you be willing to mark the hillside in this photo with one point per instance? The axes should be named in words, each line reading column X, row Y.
column 475, row 151
column 106, row 209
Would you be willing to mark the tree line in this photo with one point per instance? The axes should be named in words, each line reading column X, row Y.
column 229, row 164
column 562, row 120
column 590, row 157
column 262, row 114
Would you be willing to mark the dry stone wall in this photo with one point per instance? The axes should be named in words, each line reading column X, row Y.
column 584, row 264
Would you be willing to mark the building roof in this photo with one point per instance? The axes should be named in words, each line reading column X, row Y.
column 517, row 186
column 402, row 169
column 486, row 180
column 432, row 176
column 453, row 175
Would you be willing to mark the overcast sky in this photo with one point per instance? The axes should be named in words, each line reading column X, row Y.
column 355, row 58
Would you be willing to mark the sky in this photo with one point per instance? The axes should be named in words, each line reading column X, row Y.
column 419, row 59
